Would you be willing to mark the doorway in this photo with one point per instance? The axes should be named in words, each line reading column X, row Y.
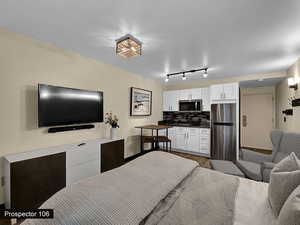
column 257, row 119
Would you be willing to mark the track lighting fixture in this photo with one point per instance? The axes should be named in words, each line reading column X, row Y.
column 185, row 72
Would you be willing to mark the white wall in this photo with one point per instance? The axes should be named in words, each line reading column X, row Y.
column 283, row 93
column 24, row 63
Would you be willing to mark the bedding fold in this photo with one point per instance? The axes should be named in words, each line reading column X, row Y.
column 207, row 197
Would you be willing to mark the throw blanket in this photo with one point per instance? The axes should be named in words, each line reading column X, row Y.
column 205, row 198
column 123, row 196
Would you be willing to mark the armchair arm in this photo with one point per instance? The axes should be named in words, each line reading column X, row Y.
column 248, row 155
column 266, row 168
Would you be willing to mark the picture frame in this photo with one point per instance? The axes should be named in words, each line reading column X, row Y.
column 140, row 102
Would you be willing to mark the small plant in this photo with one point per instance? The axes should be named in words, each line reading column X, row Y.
column 111, row 120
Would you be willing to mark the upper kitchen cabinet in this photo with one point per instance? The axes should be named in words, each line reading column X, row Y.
column 224, row 92
column 170, row 100
column 205, row 96
column 190, row 94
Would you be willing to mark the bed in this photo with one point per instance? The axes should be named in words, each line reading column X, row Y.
column 160, row 188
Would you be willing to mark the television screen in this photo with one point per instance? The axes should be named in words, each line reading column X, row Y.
column 65, row 106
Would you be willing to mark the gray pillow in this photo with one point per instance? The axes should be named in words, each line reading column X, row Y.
column 290, row 212
column 285, row 177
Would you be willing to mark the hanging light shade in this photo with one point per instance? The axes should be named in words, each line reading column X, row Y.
column 128, row 46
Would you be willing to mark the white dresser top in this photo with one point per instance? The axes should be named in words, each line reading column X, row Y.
column 52, row 150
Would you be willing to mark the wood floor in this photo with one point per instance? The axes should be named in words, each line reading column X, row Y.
column 203, row 162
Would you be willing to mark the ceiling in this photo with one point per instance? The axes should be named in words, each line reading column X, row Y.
column 269, row 82
column 231, row 37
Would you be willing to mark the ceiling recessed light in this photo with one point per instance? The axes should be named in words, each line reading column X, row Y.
column 128, row 46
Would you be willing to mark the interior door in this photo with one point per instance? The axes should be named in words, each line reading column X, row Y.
column 257, row 120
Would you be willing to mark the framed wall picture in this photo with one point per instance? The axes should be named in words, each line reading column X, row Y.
column 140, row 102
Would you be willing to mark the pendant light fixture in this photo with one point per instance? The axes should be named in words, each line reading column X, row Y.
column 128, row 46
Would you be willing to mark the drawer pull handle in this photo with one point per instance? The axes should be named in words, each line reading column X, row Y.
column 81, row 144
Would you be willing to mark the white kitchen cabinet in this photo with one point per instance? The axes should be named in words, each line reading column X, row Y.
column 185, row 94
column 170, row 100
column 230, row 91
column 192, row 140
column 204, row 141
column 196, row 93
column 171, row 136
column 224, row 92
column 190, row 94
column 181, row 141
column 205, row 96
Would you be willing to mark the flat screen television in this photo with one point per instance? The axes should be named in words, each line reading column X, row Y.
column 66, row 106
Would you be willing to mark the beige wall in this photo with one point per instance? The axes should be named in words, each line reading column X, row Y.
column 283, row 93
column 205, row 83
column 24, row 63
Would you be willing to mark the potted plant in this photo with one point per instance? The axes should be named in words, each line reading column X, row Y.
column 112, row 120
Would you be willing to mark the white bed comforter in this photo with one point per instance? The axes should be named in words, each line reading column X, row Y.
column 123, row 196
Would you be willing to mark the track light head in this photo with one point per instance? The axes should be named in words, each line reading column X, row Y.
column 167, row 78
column 205, row 74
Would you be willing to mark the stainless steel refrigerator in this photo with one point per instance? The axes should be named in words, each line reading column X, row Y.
column 223, row 131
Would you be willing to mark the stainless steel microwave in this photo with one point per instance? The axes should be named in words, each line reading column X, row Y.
column 190, row 105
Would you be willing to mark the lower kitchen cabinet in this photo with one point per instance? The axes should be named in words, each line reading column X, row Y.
column 189, row 139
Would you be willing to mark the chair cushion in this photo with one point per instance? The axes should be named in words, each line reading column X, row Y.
column 285, row 177
column 290, row 212
column 226, row 167
column 250, row 169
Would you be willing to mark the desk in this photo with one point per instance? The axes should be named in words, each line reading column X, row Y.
column 153, row 127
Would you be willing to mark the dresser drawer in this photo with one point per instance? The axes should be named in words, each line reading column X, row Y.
column 78, row 172
column 83, row 154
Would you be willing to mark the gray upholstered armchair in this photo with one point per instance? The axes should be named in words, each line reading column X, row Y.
column 257, row 166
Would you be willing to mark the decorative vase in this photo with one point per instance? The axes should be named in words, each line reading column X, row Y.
column 113, row 133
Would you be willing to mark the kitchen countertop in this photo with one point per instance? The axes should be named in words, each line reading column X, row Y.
column 184, row 125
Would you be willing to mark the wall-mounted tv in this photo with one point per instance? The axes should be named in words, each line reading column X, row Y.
column 66, row 106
